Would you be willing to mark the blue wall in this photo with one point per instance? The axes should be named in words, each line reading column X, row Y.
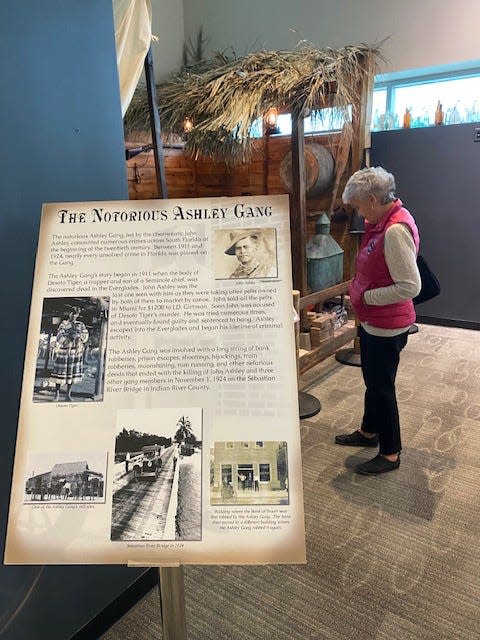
column 437, row 174
column 61, row 139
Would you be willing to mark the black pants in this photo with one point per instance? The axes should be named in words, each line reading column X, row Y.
column 380, row 357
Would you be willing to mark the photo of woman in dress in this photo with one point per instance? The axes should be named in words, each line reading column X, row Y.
column 70, row 364
column 72, row 336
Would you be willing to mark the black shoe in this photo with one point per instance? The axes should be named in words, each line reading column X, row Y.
column 356, row 439
column 379, row 464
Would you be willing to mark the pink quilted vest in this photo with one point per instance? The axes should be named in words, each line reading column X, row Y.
column 371, row 272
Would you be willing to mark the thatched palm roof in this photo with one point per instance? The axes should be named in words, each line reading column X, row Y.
column 225, row 98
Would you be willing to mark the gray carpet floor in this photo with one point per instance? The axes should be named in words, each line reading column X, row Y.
column 389, row 557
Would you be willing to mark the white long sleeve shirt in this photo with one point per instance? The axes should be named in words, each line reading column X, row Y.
column 401, row 258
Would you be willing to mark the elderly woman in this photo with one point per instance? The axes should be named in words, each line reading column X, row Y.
column 386, row 280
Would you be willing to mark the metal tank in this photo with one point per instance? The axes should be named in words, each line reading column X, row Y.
column 324, row 257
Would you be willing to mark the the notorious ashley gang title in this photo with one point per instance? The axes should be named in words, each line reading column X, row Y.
column 99, row 214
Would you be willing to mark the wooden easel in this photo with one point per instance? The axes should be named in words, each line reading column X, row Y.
column 172, row 598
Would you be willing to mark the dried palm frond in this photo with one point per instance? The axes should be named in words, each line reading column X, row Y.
column 193, row 50
column 224, row 97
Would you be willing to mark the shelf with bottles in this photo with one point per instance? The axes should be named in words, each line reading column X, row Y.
column 442, row 114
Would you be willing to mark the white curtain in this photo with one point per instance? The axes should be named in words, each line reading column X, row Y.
column 133, row 35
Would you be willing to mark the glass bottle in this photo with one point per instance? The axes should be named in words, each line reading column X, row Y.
column 407, row 119
column 455, row 117
column 439, row 113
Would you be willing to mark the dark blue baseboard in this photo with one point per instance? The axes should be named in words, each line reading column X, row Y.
column 449, row 322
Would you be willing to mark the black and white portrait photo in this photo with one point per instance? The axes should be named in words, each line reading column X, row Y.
column 246, row 253
column 70, row 362
column 157, row 475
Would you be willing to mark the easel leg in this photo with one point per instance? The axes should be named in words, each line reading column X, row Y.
column 172, row 603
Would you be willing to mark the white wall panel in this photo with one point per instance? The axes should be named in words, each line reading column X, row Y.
column 420, row 34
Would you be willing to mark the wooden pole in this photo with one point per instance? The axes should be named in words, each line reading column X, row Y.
column 172, row 603
column 298, row 217
column 362, row 117
column 155, row 125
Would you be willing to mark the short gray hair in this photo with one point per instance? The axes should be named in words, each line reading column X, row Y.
column 372, row 181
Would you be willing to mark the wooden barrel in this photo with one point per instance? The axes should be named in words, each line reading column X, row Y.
column 319, row 169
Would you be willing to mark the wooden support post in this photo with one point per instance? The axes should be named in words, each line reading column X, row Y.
column 155, row 125
column 172, row 603
column 362, row 116
column 298, row 217
column 266, row 161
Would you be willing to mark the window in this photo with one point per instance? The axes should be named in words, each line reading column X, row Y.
column 321, row 121
column 245, row 475
column 264, row 469
column 457, row 91
column 259, row 444
column 256, row 130
column 329, row 119
column 379, row 102
column 226, row 473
